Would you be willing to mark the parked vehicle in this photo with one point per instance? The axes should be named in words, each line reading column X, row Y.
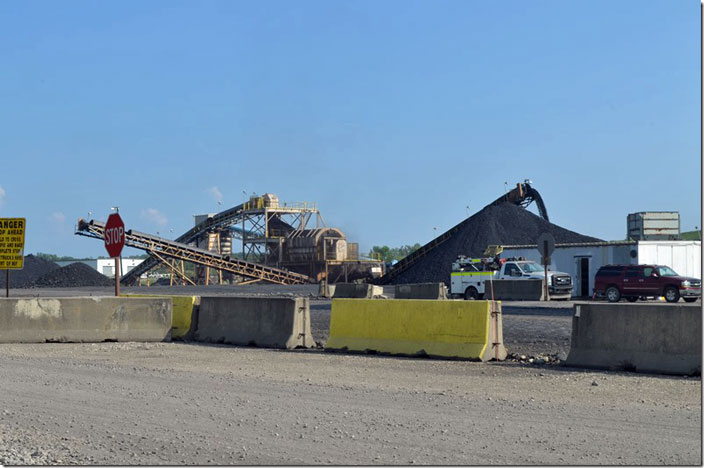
column 640, row 281
column 469, row 274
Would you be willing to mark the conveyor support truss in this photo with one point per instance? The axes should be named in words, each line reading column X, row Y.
column 160, row 247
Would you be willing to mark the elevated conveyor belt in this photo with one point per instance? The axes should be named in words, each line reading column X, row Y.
column 160, row 248
column 224, row 218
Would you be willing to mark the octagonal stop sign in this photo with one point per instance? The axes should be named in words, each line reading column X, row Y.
column 114, row 235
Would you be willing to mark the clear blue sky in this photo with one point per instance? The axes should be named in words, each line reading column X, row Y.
column 393, row 116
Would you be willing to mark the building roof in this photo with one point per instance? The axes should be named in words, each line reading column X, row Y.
column 601, row 244
column 576, row 244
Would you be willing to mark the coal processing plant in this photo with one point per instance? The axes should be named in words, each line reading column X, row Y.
column 284, row 243
column 288, row 243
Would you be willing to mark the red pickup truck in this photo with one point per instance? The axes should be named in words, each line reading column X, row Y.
column 640, row 281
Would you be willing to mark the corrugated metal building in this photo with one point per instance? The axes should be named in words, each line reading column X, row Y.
column 582, row 261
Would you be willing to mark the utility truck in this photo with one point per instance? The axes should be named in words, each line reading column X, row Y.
column 469, row 275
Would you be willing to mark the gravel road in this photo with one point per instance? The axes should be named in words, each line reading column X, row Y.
column 176, row 403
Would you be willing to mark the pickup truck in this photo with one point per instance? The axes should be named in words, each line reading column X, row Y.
column 468, row 276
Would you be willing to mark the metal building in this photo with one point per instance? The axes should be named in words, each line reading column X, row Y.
column 582, row 260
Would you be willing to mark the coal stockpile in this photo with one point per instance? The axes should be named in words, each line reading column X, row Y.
column 73, row 275
column 503, row 224
column 33, row 268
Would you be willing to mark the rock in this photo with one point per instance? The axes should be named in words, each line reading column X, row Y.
column 539, row 361
column 562, row 356
column 595, row 383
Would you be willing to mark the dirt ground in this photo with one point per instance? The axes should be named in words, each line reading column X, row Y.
column 194, row 404
column 176, row 403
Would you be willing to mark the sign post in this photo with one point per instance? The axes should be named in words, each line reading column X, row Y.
column 11, row 247
column 546, row 245
column 114, row 241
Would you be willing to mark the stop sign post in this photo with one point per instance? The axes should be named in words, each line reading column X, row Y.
column 114, row 241
column 546, row 245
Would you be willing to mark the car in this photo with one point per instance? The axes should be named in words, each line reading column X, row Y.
column 638, row 281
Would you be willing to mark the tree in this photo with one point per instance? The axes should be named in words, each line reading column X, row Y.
column 388, row 254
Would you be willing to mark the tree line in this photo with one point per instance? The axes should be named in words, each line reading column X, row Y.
column 389, row 254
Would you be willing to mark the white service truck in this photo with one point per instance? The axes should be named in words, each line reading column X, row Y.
column 469, row 275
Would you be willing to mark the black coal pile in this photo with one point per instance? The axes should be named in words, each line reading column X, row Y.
column 73, row 275
column 503, row 224
column 33, row 268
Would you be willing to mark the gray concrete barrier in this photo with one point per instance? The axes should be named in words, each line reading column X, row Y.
column 420, row 291
column 269, row 322
column 357, row 291
column 514, row 290
column 326, row 290
column 660, row 338
column 84, row 319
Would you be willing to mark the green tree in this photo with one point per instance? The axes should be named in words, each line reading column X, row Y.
column 389, row 254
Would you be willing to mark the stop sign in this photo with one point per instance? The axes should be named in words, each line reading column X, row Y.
column 114, row 235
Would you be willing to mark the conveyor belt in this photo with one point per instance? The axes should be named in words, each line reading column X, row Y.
column 224, row 218
column 167, row 248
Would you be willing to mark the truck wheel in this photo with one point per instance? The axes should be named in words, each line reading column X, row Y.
column 632, row 298
column 613, row 294
column 470, row 294
column 672, row 294
column 690, row 299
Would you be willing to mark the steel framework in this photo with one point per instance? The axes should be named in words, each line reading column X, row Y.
column 170, row 252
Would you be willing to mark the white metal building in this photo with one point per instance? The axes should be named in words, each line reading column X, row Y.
column 584, row 259
column 106, row 266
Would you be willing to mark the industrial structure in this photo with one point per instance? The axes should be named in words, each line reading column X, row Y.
column 279, row 244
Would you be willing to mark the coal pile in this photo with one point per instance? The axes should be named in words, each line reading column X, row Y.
column 74, row 275
column 503, row 224
column 33, row 268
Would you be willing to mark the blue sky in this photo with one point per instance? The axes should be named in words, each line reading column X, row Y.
column 393, row 116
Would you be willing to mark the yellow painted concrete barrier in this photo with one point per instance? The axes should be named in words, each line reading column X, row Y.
column 454, row 329
column 183, row 309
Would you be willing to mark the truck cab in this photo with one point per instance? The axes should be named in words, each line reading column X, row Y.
column 559, row 283
column 468, row 276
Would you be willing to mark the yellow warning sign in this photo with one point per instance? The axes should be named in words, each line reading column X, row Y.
column 12, row 243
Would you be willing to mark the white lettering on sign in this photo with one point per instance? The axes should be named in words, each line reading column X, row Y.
column 114, row 235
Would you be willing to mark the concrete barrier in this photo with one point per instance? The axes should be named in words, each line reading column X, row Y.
column 270, row 322
column 453, row 329
column 184, row 308
column 326, row 290
column 660, row 338
column 421, row 291
column 514, row 290
column 357, row 291
column 84, row 319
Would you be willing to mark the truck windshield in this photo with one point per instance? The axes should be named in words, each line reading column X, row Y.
column 531, row 267
column 666, row 271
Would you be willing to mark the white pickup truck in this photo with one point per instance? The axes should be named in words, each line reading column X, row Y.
column 468, row 276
